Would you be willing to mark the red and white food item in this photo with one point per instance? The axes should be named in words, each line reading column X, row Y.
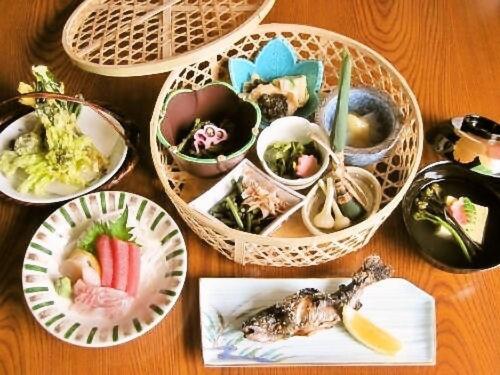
column 307, row 165
column 470, row 216
column 102, row 274
column 120, row 264
column 105, row 256
column 134, row 269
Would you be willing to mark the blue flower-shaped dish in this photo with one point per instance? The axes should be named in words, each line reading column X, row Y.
column 278, row 59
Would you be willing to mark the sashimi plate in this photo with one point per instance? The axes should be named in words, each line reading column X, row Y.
column 163, row 265
column 396, row 305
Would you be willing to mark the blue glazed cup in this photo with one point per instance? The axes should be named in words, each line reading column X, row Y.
column 363, row 100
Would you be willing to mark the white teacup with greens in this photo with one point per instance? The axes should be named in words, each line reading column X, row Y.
column 288, row 153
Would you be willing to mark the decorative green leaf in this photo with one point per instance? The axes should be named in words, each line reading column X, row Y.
column 221, row 319
column 469, row 209
column 338, row 136
column 89, row 237
column 253, row 352
column 117, row 229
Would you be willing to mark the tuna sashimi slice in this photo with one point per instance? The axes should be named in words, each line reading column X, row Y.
column 120, row 263
column 134, row 269
column 105, row 255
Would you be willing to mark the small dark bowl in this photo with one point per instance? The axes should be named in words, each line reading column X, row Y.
column 213, row 102
column 363, row 100
column 456, row 181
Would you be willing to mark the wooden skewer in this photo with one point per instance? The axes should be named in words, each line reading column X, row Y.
column 127, row 26
column 351, row 185
column 315, row 137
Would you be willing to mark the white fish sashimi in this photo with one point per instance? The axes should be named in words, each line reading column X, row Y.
column 111, row 302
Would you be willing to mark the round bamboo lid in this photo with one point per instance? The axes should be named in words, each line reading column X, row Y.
column 139, row 37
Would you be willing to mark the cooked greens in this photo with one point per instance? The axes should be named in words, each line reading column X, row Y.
column 55, row 150
column 249, row 206
column 283, row 157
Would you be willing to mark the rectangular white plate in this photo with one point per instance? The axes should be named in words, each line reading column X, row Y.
column 222, row 188
column 394, row 304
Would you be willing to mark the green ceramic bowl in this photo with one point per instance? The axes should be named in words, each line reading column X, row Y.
column 214, row 100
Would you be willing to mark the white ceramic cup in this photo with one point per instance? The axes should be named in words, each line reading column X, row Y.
column 288, row 129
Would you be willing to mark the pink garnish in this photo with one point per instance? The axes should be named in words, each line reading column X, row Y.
column 307, row 165
column 257, row 195
column 208, row 136
column 458, row 212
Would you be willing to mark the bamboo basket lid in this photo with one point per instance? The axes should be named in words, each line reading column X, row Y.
column 139, row 37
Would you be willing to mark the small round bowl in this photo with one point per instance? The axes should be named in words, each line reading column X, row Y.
column 287, row 129
column 363, row 100
column 456, row 181
column 367, row 182
column 211, row 102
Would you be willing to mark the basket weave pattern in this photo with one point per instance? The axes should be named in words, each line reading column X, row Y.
column 131, row 32
column 395, row 172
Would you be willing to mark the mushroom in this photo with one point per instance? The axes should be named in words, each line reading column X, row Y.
column 324, row 218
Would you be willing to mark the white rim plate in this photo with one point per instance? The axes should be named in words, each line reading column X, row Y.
column 105, row 138
column 163, row 269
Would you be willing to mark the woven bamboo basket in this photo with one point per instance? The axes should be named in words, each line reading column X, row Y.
column 137, row 37
column 395, row 172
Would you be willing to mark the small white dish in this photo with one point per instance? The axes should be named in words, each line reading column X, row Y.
column 366, row 181
column 222, row 188
column 105, row 138
column 163, row 269
column 394, row 304
column 288, row 129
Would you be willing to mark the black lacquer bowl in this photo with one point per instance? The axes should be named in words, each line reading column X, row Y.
column 457, row 181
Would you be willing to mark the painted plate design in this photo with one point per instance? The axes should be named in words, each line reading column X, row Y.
column 394, row 304
column 163, row 269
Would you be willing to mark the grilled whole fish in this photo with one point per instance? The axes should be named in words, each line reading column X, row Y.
column 310, row 310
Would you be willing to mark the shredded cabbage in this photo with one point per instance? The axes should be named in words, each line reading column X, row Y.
column 66, row 155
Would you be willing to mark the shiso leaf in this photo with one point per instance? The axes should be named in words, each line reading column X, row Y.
column 89, row 237
column 117, row 229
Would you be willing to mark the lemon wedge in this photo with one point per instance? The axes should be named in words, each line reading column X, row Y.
column 77, row 259
column 366, row 332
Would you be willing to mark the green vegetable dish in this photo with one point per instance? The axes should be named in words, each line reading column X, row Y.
column 249, row 206
column 55, row 150
column 293, row 160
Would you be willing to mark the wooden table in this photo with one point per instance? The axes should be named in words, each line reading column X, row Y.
column 448, row 50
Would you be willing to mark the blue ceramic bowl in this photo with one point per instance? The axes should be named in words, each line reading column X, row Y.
column 363, row 100
column 278, row 59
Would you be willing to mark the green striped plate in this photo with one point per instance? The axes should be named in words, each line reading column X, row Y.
column 163, row 269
